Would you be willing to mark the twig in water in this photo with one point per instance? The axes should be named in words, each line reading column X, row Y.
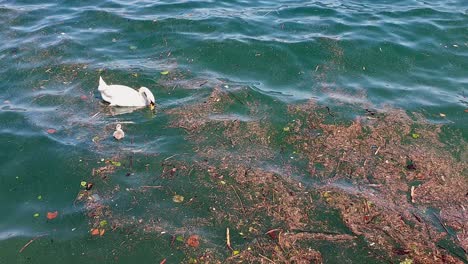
column 228, row 239
column 96, row 114
column 328, row 109
column 266, row 258
column 30, row 242
column 172, row 240
column 377, row 151
column 240, row 201
column 152, row 186
column 170, row 157
column 417, row 217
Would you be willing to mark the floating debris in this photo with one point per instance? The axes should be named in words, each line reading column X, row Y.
column 177, row 198
column 52, row 215
column 193, row 241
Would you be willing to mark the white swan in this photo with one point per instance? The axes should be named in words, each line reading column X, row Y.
column 118, row 133
column 119, row 95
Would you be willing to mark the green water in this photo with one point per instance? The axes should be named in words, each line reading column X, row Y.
column 407, row 54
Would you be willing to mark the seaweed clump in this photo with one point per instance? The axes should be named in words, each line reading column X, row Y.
column 386, row 176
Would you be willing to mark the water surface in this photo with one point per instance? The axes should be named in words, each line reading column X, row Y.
column 407, row 54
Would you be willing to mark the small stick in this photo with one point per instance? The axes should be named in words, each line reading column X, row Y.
column 377, row 151
column 172, row 240
column 240, row 201
column 266, row 258
column 228, row 239
column 30, row 242
column 95, row 115
column 272, row 230
column 170, row 157
column 153, row 186
column 328, row 109
column 417, row 217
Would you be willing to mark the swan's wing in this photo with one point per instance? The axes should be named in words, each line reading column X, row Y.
column 122, row 96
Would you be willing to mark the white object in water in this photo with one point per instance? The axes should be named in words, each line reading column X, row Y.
column 118, row 133
column 120, row 95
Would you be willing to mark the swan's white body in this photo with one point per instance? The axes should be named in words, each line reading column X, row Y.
column 119, row 95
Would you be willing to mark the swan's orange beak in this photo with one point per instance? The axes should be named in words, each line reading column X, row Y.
column 152, row 106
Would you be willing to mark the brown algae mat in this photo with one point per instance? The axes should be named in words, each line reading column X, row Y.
column 398, row 191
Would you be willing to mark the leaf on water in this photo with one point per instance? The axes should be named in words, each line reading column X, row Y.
column 273, row 234
column 103, row 223
column 95, row 139
column 235, row 252
column 39, row 197
column 132, row 47
column 180, row 238
column 52, row 215
column 286, row 129
column 101, row 232
column 89, row 186
column 178, row 198
column 415, row 136
column 407, row 261
column 165, row 72
column 94, row 231
column 51, row 131
column 116, row 163
column 84, row 97
column 193, row 241
column 83, row 184
column 442, row 115
column 36, row 215
column 466, row 110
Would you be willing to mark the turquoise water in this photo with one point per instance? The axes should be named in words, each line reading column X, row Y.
column 407, row 54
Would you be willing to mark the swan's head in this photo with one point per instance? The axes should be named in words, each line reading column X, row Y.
column 149, row 97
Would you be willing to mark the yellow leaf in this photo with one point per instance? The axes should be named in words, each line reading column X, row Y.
column 407, row 261
column 178, row 198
